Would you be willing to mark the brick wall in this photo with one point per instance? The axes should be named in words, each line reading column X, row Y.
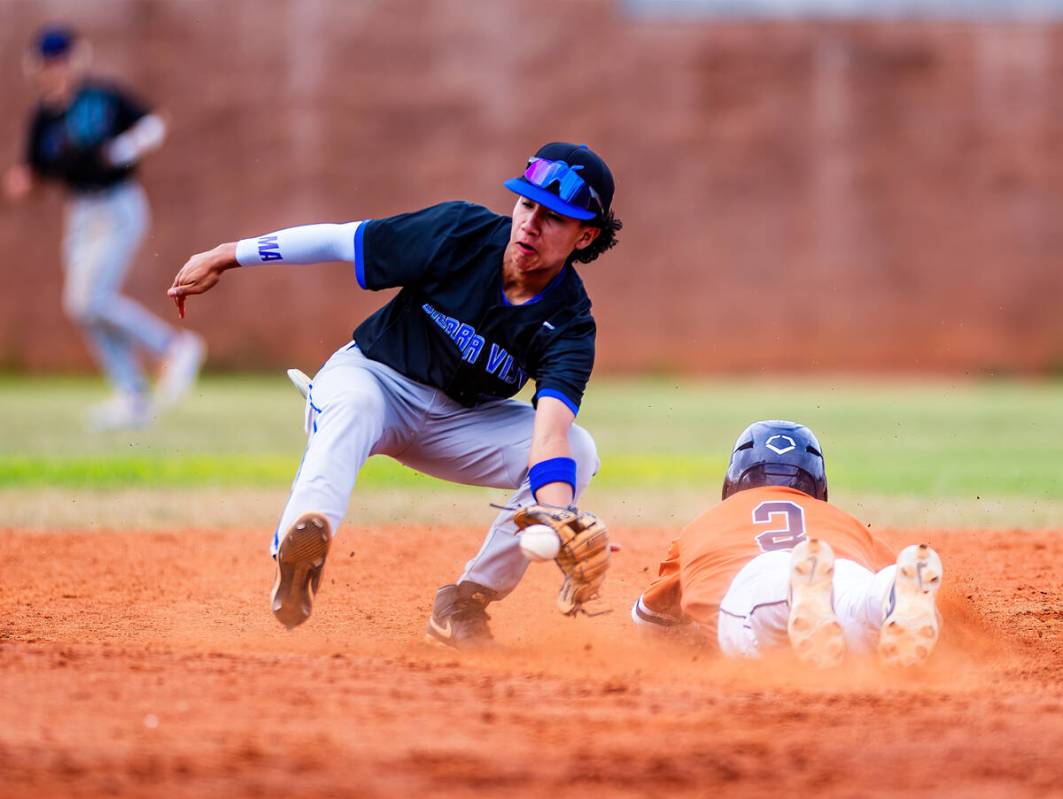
column 842, row 196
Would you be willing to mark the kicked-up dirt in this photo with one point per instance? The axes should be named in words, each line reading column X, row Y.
column 148, row 664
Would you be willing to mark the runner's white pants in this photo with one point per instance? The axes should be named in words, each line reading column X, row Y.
column 756, row 608
column 359, row 407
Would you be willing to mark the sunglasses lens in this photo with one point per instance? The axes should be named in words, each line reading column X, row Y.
column 573, row 189
column 570, row 186
column 542, row 173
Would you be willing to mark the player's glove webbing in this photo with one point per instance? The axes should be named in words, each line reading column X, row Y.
column 584, row 554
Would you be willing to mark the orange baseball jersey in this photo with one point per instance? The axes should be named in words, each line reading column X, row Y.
column 711, row 550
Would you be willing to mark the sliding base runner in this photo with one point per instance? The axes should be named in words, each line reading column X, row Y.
column 774, row 565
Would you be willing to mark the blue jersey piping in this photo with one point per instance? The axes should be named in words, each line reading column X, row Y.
column 549, row 392
column 359, row 254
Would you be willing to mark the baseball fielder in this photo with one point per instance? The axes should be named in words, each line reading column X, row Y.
column 486, row 302
column 89, row 136
column 774, row 563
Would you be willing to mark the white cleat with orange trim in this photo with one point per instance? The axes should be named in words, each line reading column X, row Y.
column 912, row 624
column 816, row 635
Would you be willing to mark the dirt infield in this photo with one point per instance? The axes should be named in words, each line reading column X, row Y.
column 147, row 664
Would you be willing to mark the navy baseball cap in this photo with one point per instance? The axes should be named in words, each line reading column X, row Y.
column 570, row 179
column 54, row 42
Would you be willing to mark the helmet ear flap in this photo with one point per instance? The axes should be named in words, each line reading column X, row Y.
column 732, row 479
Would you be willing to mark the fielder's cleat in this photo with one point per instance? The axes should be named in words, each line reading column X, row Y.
column 911, row 625
column 300, row 561
column 301, row 381
column 459, row 617
column 816, row 635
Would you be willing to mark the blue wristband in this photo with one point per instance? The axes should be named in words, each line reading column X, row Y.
column 552, row 470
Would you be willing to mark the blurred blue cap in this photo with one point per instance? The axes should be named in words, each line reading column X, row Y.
column 54, row 42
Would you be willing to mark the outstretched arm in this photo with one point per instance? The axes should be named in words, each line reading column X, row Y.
column 306, row 244
column 584, row 552
column 550, row 457
column 200, row 273
column 146, row 135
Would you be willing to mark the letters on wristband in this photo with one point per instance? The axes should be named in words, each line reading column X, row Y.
column 552, row 470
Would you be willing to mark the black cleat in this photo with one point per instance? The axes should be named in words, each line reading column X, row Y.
column 300, row 561
column 459, row 617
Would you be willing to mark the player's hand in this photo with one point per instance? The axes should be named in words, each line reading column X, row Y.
column 18, row 181
column 200, row 273
column 584, row 554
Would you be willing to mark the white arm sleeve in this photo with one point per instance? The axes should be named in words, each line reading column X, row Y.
column 146, row 135
column 306, row 244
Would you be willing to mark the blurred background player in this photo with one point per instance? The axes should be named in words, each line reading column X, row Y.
column 487, row 302
column 90, row 136
column 774, row 563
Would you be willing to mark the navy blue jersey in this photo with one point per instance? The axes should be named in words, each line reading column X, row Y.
column 67, row 143
column 451, row 325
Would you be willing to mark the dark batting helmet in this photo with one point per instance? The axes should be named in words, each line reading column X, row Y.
column 777, row 453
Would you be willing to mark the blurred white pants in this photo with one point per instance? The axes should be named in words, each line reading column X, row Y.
column 103, row 230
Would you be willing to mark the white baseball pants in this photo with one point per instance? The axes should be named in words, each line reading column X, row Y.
column 358, row 407
column 756, row 608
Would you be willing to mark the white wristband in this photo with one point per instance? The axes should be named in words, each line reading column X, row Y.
column 306, row 244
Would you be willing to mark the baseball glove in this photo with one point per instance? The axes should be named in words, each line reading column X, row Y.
column 584, row 554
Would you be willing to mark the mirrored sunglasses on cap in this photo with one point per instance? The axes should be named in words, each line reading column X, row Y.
column 570, row 186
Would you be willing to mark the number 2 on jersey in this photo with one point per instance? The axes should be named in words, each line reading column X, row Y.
column 789, row 518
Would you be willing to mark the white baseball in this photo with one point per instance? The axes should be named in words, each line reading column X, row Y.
column 539, row 542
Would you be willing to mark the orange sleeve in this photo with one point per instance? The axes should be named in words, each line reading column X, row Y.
column 664, row 595
column 883, row 555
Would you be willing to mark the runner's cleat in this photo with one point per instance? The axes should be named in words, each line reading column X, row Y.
column 300, row 561
column 911, row 625
column 816, row 635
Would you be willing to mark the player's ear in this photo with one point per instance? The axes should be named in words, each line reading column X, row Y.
column 587, row 235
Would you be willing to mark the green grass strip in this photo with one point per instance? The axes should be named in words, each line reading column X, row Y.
column 973, row 479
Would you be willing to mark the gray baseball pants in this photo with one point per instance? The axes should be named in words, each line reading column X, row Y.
column 359, row 407
column 103, row 231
